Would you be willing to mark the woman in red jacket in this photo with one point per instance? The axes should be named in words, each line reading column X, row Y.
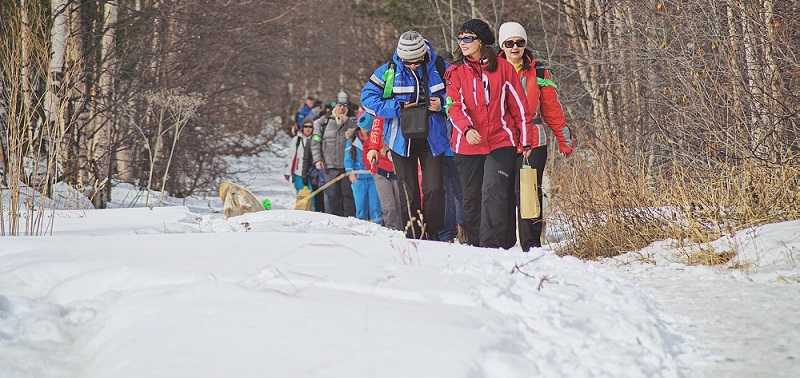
column 540, row 92
column 490, row 121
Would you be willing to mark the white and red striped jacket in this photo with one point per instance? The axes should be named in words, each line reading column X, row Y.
column 493, row 103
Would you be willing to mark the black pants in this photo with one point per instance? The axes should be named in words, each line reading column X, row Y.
column 431, row 206
column 339, row 196
column 485, row 181
column 530, row 230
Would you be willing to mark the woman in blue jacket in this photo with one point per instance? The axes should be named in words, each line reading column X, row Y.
column 411, row 77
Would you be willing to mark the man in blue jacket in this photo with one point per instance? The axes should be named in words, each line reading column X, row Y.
column 409, row 79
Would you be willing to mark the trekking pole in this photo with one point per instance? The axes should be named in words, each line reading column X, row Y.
column 301, row 203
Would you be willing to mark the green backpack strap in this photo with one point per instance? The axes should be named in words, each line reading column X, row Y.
column 540, row 79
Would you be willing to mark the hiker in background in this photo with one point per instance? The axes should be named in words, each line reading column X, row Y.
column 316, row 110
column 327, row 147
column 365, row 194
column 303, row 112
column 490, row 120
column 382, row 172
column 408, row 83
column 542, row 102
column 454, row 221
column 313, row 178
column 293, row 169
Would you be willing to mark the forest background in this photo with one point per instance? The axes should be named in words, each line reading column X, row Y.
column 685, row 112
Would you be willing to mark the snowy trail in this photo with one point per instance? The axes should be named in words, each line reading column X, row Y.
column 735, row 325
column 750, row 330
column 181, row 291
column 739, row 322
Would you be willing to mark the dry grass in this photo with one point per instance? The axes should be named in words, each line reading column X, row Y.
column 615, row 205
column 708, row 256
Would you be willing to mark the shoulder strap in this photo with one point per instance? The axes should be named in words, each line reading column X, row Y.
column 540, row 75
column 440, row 67
column 540, row 67
column 423, row 83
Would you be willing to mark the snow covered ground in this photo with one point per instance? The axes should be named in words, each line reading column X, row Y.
column 180, row 291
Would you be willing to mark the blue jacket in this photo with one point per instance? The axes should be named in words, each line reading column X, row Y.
column 405, row 84
column 356, row 164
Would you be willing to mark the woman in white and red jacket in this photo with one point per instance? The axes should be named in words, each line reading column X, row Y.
column 490, row 120
column 540, row 92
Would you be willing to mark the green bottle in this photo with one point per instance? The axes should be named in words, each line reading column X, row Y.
column 388, row 78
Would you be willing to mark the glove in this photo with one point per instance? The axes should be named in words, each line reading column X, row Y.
column 566, row 150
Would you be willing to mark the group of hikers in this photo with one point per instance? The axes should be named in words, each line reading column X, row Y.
column 437, row 149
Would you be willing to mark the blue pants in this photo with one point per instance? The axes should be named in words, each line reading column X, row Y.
column 368, row 204
column 316, row 180
column 298, row 182
column 453, row 201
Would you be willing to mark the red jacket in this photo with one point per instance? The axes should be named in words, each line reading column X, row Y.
column 491, row 102
column 375, row 142
column 543, row 102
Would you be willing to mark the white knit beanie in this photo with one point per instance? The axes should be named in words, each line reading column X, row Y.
column 411, row 46
column 510, row 30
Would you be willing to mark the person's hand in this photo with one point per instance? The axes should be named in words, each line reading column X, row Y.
column 319, row 165
column 286, row 177
column 372, row 155
column 473, row 137
column 436, row 104
column 526, row 152
column 407, row 105
column 352, row 178
column 566, row 150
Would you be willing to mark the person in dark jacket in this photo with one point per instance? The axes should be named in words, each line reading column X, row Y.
column 313, row 178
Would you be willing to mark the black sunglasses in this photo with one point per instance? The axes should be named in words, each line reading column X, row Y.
column 510, row 44
column 466, row 39
column 413, row 63
column 308, row 126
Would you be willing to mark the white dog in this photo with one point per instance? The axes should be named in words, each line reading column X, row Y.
column 237, row 200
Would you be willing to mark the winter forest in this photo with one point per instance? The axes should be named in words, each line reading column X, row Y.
column 672, row 231
column 687, row 104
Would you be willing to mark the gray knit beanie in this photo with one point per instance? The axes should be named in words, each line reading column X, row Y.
column 411, row 46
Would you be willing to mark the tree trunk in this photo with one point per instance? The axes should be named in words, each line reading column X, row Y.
column 101, row 137
column 58, row 42
column 73, row 145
